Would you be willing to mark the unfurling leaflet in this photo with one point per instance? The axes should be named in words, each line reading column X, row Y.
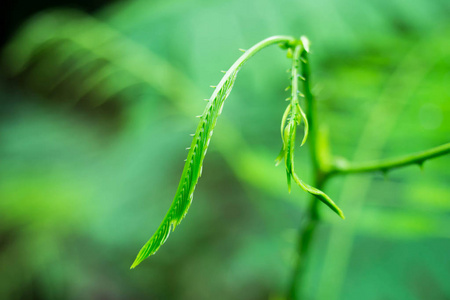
column 292, row 117
column 194, row 162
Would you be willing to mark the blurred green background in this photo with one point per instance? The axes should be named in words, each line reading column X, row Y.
column 96, row 106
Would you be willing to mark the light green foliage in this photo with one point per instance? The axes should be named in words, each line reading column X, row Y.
column 366, row 75
column 202, row 136
column 294, row 115
column 192, row 169
column 194, row 162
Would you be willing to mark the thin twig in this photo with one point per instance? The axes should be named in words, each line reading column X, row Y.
column 308, row 227
column 385, row 165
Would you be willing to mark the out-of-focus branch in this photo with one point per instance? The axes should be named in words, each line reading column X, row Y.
column 385, row 165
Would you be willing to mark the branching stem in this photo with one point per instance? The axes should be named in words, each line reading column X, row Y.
column 385, row 165
column 193, row 166
column 309, row 224
column 293, row 116
column 323, row 172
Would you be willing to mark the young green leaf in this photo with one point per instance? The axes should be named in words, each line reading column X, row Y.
column 319, row 195
column 193, row 166
column 294, row 114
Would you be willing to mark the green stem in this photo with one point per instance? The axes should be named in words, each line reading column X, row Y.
column 308, row 227
column 286, row 41
column 193, row 166
column 322, row 172
column 385, row 165
column 306, row 234
column 310, row 107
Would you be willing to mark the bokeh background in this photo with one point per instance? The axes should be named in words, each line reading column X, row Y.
column 97, row 101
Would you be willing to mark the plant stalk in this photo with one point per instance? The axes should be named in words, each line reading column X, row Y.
column 309, row 225
column 305, row 237
column 385, row 165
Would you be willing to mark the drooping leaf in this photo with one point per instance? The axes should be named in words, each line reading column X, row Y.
column 192, row 169
column 296, row 115
column 194, row 162
column 319, row 195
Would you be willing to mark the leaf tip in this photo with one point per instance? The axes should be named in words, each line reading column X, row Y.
column 305, row 43
column 135, row 264
column 305, row 136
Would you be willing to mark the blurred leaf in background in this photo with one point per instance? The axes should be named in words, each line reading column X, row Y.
column 96, row 108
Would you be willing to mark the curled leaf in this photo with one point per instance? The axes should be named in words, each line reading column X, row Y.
column 193, row 167
column 293, row 115
column 319, row 195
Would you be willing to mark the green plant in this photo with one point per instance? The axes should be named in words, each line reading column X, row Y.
column 32, row 51
column 324, row 165
column 84, row 71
